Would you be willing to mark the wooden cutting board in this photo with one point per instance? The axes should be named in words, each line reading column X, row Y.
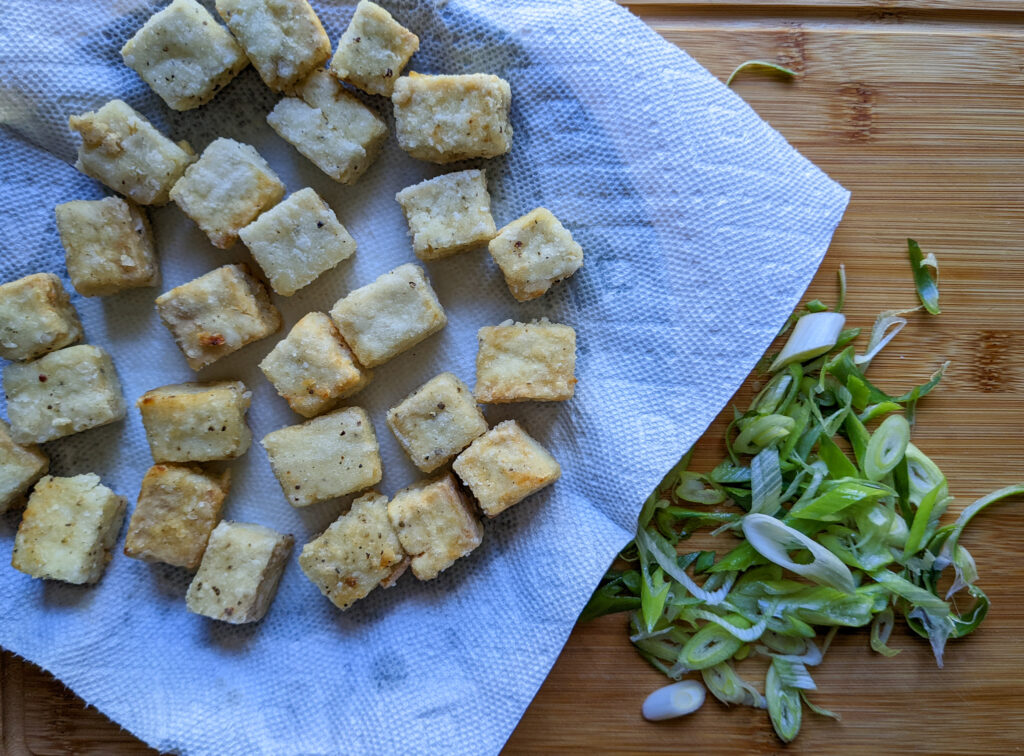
column 918, row 108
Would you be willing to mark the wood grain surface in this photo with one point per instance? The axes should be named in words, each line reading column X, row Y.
column 917, row 106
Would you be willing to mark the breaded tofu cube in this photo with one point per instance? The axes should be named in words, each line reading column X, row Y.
column 196, row 422
column 373, row 50
column 126, row 152
column 392, row 314
column 108, row 246
column 504, row 466
column 67, row 391
column 20, row 467
column 312, row 368
column 358, row 552
column 436, row 421
column 239, row 574
column 217, row 314
column 178, row 508
column 435, row 523
column 184, row 55
column 521, row 362
column 36, row 317
column 448, row 214
column 447, row 118
column 330, row 127
column 283, row 39
column 68, row 529
column 534, row 252
column 297, row 240
column 331, row 455
column 226, row 189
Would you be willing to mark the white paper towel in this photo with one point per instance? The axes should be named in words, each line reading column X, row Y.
column 701, row 228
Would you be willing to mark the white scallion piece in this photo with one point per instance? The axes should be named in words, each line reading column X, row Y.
column 813, row 335
column 773, row 540
column 675, row 700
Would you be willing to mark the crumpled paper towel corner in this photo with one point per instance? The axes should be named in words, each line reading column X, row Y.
column 701, row 227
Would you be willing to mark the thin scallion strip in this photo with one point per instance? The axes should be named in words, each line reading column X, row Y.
column 926, row 276
column 764, row 65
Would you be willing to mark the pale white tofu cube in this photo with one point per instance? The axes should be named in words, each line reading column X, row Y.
column 36, row 317
column 20, row 467
column 504, row 466
column 331, row 455
column 184, row 55
column 358, row 552
column 217, row 314
column 313, row 368
column 520, row 362
column 67, row 391
column 196, row 422
column 373, row 50
column 534, row 252
column 239, row 574
column 390, row 315
column 448, row 214
column 68, row 529
column 447, row 118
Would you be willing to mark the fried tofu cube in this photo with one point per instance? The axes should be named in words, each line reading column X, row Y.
column 178, row 508
column 521, row 362
column 358, row 552
column 330, row 127
column 436, row 421
column 297, row 240
column 394, row 313
column 67, row 391
column 68, row 529
column 108, row 246
column 226, row 189
column 239, row 573
column 448, row 214
column 534, row 252
column 435, row 523
column 447, row 118
column 373, row 50
column 184, row 55
column 331, row 455
column 283, row 39
column 504, row 466
column 20, row 467
column 217, row 314
column 36, row 317
column 313, row 368
column 126, row 152
column 196, row 422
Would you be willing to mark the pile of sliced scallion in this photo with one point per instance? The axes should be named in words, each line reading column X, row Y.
column 840, row 526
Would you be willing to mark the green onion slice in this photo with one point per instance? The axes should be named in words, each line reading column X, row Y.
column 772, row 540
column 926, row 276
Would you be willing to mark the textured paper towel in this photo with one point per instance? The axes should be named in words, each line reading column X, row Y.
column 701, row 228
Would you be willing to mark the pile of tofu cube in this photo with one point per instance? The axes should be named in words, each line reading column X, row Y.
column 56, row 386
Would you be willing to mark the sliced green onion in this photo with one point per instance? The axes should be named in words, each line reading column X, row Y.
column 674, row 700
column 813, row 335
column 881, row 629
column 926, row 282
column 887, row 325
column 762, row 431
column 844, row 494
column 886, row 447
column 697, row 489
column 765, row 65
column 772, row 540
column 926, row 519
column 821, row 712
column 729, row 688
column 974, row 509
column 655, row 546
column 710, row 645
column 765, row 482
column 793, row 674
column 784, row 706
column 653, row 595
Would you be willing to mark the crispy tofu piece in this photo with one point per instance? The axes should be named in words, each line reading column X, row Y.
column 67, row 391
column 313, row 368
column 330, row 127
column 520, row 362
column 283, row 39
column 373, row 50
column 358, row 552
column 217, row 314
column 504, row 466
column 68, row 529
column 20, row 467
column 394, row 313
column 196, row 422
column 447, row 118
column 36, row 317
column 435, row 523
column 436, row 421
column 108, row 246
column 297, row 240
column 226, row 189
column 534, row 252
column 239, row 574
column 178, row 508
column 124, row 151
column 331, row 455
column 184, row 55
column 448, row 214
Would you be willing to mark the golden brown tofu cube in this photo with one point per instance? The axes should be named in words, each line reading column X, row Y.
column 196, row 422
column 36, row 317
column 534, row 252
column 520, row 362
column 448, row 214
column 373, row 50
column 20, row 467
